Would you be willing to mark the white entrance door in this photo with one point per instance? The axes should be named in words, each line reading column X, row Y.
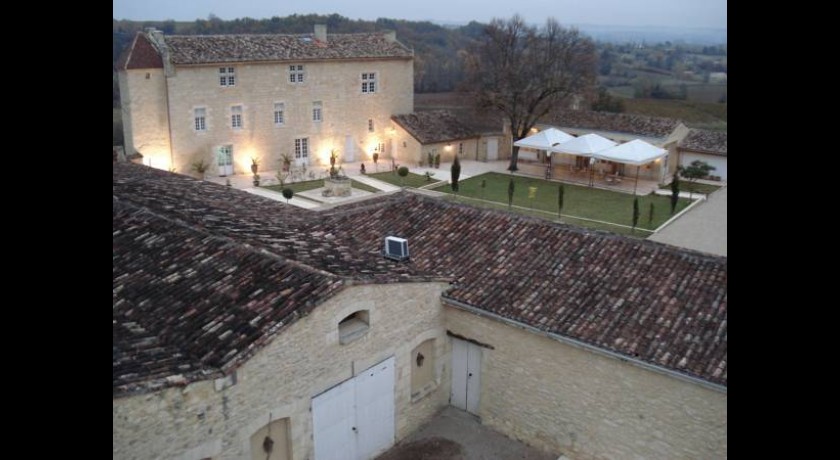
column 349, row 149
column 466, row 375
column 492, row 149
column 224, row 158
column 355, row 420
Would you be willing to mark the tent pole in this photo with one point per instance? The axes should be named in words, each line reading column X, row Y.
column 636, row 185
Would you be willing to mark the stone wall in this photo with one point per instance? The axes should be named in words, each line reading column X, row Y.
column 217, row 419
column 565, row 399
column 144, row 115
column 335, row 84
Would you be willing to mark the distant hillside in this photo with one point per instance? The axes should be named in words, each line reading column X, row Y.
column 624, row 34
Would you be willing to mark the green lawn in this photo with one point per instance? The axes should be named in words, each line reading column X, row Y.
column 694, row 187
column 298, row 187
column 579, row 201
column 411, row 180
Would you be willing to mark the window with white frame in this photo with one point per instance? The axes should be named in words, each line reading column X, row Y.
column 368, row 82
column 316, row 111
column 279, row 113
column 200, row 115
column 227, row 76
column 302, row 148
column 296, row 73
column 370, row 125
column 236, row 117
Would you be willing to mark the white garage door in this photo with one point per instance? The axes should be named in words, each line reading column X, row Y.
column 355, row 420
column 466, row 375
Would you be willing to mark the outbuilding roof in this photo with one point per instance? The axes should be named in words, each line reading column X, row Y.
column 434, row 126
column 176, row 241
column 703, row 140
column 639, row 125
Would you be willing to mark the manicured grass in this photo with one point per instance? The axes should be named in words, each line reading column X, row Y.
column 411, row 180
column 579, row 201
column 298, row 187
column 694, row 187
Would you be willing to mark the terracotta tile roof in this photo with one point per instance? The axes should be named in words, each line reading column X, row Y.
column 433, row 126
column 703, row 140
column 189, row 305
column 141, row 54
column 645, row 300
column 614, row 122
column 205, row 49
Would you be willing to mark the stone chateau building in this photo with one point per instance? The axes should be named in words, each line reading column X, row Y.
column 228, row 99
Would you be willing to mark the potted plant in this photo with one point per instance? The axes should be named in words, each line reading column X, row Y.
column 200, row 167
column 333, row 157
column 256, row 180
column 255, row 165
column 287, row 161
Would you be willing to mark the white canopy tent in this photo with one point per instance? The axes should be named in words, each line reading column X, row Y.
column 586, row 146
column 636, row 152
column 544, row 140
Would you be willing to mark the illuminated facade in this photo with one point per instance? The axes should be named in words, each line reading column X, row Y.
column 230, row 99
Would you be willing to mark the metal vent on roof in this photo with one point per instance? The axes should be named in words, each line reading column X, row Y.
column 396, row 248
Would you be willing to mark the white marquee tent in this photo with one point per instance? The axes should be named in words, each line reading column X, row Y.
column 585, row 145
column 544, row 140
column 636, row 152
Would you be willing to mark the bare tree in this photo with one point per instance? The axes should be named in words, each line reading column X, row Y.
column 525, row 72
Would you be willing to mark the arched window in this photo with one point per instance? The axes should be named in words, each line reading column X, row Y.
column 422, row 368
column 353, row 326
column 272, row 441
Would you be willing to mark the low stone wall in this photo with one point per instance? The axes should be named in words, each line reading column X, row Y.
column 337, row 187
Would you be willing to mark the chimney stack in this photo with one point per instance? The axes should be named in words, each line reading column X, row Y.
column 391, row 36
column 321, row 32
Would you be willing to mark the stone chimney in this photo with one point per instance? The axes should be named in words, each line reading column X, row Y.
column 391, row 36
column 321, row 32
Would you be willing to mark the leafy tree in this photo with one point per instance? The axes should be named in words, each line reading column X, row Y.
column 525, row 72
column 635, row 212
column 560, row 193
column 455, row 170
column 696, row 170
column 650, row 214
column 483, row 186
column 510, row 193
column 402, row 171
column 675, row 191
column 288, row 194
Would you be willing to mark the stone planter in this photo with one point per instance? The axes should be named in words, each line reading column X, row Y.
column 336, row 186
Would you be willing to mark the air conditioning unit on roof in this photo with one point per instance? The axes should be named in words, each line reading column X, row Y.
column 396, row 248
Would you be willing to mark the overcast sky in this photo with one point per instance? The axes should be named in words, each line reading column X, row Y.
column 676, row 13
